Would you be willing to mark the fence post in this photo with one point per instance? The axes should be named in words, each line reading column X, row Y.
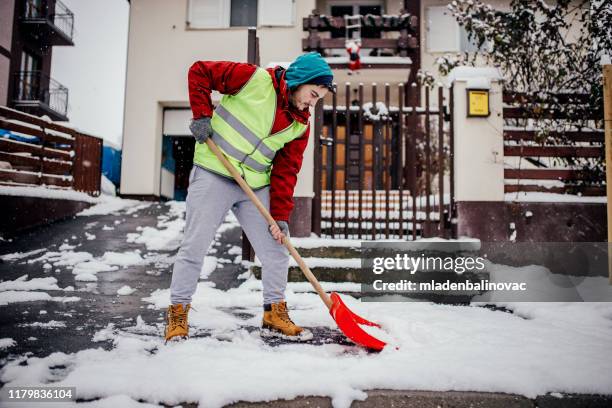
column 607, row 83
column 248, row 253
column 315, row 136
column 478, row 153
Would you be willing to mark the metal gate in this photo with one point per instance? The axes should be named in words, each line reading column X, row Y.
column 384, row 169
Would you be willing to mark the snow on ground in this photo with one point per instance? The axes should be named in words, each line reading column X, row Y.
column 111, row 205
column 122, row 258
column 539, row 348
column 315, row 242
column 14, row 296
column 20, row 255
column 553, row 197
column 536, row 350
column 24, row 290
column 208, row 267
column 104, row 204
column 84, row 265
column 167, row 235
column 22, row 283
column 125, row 290
column 51, row 324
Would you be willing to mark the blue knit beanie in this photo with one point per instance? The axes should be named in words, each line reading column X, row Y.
column 309, row 68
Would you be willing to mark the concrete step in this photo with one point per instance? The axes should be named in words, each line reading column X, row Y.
column 327, row 247
column 327, row 274
column 329, row 252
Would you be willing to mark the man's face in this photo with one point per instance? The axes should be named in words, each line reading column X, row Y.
column 307, row 95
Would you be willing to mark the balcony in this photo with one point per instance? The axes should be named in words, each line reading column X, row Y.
column 48, row 26
column 38, row 94
column 325, row 33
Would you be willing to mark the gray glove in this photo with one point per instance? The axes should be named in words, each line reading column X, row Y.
column 201, row 129
column 284, row 227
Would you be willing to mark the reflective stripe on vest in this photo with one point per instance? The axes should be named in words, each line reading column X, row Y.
column 245, row 132
column 241, row 128
column 237, row 154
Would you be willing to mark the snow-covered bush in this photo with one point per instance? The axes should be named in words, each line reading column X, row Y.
column 544, row 48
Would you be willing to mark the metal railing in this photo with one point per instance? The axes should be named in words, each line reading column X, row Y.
column 38, row 86
column 61, row 16
column 381, row 166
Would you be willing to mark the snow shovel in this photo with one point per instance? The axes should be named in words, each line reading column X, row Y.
column 347, row 321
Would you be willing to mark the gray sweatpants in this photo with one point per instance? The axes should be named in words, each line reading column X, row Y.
column 209, row 197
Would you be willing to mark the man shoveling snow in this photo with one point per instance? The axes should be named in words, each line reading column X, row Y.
column 261, row 125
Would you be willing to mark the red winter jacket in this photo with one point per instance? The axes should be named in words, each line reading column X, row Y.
column 228, row 78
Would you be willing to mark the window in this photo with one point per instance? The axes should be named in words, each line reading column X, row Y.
column 29, row 85
column 243, row 13
column 340, row 10
column 442, row 30
column 30, row 62
column 34, row 9
column 240, row 13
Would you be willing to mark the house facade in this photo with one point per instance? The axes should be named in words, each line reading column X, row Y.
column 165, row 38
column 28, row 32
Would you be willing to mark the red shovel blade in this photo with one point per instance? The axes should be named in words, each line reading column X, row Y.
column 349, row 323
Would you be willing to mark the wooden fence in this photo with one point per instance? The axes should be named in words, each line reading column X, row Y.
column 557, row 160
column 48, row 154
column 381, row 169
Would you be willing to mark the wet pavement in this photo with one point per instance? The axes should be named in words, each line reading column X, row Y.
column 99, row 305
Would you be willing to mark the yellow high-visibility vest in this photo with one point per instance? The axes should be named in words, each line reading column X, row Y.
column 241, row 127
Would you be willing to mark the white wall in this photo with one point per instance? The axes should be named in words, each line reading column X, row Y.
column 160, row 51
column 479, row 142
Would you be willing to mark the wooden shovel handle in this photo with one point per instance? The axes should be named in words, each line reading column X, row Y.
column 266, row 214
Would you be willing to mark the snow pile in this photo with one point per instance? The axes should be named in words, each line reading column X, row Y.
column 124, row 259
column 21, row 255
column 446, row 347
column 208, row 267
column 110, row 205
column 48, row 192
column 125, row 290
column 22, row 283
column 13, row 296
column 84, row 265
column 51, row 324
column 7, row 342
column 104, row 204
column 24, row 290
column 86, row 271
column 168, row 234
column 315, row 242
column 107, row 187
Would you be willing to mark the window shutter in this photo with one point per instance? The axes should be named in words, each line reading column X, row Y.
column 208, row 14
column 442, row 30
column 276, row 12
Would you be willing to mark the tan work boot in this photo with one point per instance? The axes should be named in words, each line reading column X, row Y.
column 276, row 323
column 176, row 322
